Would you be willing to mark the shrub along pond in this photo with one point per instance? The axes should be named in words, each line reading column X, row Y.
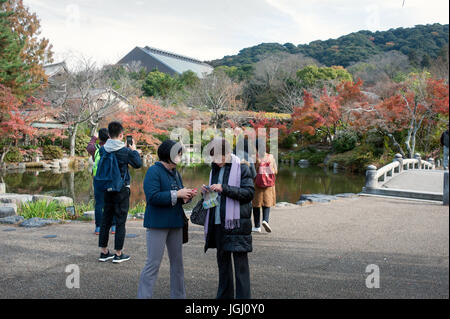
column 292, row 181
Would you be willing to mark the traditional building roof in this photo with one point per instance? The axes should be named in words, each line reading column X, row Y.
column 56, row 68
column 166, row 62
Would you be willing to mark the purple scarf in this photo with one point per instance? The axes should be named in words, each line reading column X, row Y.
column 232, row 207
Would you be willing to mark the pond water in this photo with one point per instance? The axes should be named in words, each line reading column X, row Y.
column 292, row 181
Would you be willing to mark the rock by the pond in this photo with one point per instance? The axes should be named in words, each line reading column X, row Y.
column 63, row 200
column 8, row 209
column 38, row 222
column 303, row 163
column 285, row 204
column 346, row 195
column 12, row 167
column 64, row 163
column 2, row 188
column 42, row 197
column 55, row 164
column 318, row 198
column 89, row 215
column 17, row 199
column 303, row 202
column 140, row 215
column 12, row 220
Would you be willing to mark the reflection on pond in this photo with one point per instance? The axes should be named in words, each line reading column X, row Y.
column 292, row 181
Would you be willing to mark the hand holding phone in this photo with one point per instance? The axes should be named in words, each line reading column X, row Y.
column 129, row 140
column 130, row 143
column 206, row 189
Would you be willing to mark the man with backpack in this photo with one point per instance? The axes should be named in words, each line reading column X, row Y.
column 113, row 178
column 93, row 149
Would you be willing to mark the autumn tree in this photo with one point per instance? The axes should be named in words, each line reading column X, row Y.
column 145, row 120
column 34, row 50
column 16, row 118
column 314, row 79
column 318, row 116
column 89, row 97
column 419, row 100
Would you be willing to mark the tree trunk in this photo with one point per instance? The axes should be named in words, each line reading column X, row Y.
column 5, row 151
column 394, row 141
column 72, row 137
column 413, row 144
column 94, row 128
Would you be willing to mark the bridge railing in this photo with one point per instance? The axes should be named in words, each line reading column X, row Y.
column 375, row 178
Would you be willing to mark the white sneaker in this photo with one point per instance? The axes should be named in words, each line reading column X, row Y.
column 266, row 226
column 256, row 230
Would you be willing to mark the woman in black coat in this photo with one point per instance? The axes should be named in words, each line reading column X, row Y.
column 230, row 236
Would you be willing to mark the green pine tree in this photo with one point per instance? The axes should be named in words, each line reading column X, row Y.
column 12, row 68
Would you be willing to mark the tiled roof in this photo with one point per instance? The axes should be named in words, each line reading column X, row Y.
column 177, row 62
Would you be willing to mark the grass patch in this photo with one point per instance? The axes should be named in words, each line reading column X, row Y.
column 82, row 207
column 43, row 209
column 138, row 208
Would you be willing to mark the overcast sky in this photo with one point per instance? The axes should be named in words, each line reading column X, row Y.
column 106, row 30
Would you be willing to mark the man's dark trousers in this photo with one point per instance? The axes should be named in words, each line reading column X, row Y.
column 116, row 206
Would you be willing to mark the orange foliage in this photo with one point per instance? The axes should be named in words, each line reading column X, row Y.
column 145, row 121
column 325, row 113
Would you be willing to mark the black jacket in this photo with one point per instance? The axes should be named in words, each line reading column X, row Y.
column 238, row 239
column 126, row 157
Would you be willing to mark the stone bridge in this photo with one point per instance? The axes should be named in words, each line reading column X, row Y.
column 412, row 178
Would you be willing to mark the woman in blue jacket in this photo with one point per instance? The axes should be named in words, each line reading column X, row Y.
column 165, row 195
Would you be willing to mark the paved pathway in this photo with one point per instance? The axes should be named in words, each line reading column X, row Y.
column 418, row 180
column 316, row 251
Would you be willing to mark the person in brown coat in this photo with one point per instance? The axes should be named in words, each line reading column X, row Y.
column 265, row 193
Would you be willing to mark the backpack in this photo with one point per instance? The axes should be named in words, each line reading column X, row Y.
column 96, row 160
column 265, row 177
column 108, row 178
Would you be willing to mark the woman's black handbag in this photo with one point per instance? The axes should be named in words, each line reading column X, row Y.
column 185, row 229
column 198, row 214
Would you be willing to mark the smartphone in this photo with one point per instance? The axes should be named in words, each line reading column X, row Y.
column 129, row 140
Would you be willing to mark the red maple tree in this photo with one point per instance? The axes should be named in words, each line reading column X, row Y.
column 16, row 118
column 314, row 116
column 417, row 101
column 145, row 120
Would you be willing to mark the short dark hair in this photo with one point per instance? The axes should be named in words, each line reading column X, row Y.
column 114, row 129
column 221, row 144
column 103, row 134
column 165, row 149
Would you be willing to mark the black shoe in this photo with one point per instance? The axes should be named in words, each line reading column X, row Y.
column 121, row 258
column 106, row 257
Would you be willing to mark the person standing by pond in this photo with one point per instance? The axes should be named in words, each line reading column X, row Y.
column 245, row 154
column 265, row 192
column 93, row 148
column 117, row 203
column 165, row 195
column 228, row 225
